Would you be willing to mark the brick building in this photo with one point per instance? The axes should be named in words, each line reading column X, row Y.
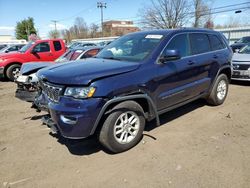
column 117, row 28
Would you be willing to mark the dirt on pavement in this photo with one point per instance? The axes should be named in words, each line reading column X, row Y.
column 196, row 146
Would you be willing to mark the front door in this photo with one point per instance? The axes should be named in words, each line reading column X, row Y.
column 42, row 52
column 175, row 77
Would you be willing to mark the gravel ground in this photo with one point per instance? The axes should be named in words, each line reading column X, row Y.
column 196, row 146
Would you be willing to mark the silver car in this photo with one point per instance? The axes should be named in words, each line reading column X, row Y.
column 241, row 64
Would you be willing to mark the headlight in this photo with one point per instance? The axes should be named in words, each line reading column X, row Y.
column 80, row 92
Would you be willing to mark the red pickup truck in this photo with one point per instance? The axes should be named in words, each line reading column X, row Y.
column 38, row 51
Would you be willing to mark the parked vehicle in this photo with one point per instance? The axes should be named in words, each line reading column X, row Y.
column 240, row 43
column 2, row 46
column 81, row 44
column 241, row 64
column 133, row 80
column 27, row 81
column 41, row 50
column 12, row 48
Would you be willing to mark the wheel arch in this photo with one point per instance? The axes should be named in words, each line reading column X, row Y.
column 223, row 70
column 9, row 64
column 150, row 111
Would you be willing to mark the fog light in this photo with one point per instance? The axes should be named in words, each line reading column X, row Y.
column 68, row 119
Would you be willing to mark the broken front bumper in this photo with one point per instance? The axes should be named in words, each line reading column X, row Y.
column 26, row 95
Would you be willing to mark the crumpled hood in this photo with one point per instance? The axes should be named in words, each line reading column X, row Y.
column 82, row 72
column 241, row 58
column 29, row 68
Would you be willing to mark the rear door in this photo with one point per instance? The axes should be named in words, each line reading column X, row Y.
column 208, row 52
column 57, row 48
column 175, row 79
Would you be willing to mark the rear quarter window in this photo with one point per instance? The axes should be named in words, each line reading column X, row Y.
column 199, row 43
column 216, row 43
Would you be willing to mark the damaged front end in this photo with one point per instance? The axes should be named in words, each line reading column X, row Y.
column 28, row 90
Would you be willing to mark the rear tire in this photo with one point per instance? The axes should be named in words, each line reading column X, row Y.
column 219, row 91
column 123, row 127
column 12, row 71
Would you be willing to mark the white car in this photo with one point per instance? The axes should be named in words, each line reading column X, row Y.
column 241, row 64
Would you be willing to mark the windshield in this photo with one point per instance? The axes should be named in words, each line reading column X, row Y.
column 244, row 40
column 245, row 50
column 69, row 56
column 133, row 47
column 26, row 47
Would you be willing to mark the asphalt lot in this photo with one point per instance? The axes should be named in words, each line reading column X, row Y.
column 196, row 146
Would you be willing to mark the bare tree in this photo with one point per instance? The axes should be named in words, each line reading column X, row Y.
column 81, row 28
column 93, row 30
column 164, row 14
column 54, row 34
column 202, row 13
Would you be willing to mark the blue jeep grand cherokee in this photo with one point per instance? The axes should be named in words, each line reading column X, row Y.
column 135, row 79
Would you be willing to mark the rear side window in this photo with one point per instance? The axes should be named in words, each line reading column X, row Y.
column 57, row 45
column 199, row 43
column 180, row 42
column 215, row 42
column 90, row 53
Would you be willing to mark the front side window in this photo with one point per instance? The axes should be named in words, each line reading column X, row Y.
column 199, row 43
column 13, row 48
column 42, row 47
column 133, row 47
column 180, row 43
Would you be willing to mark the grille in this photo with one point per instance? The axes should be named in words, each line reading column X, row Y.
column 241, row 67
column 53, row 92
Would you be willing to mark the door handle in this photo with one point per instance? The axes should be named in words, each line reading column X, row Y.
column 215, row 56
column 191, row 62
column 50, row 54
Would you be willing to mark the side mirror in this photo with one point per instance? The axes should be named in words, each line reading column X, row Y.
column 170, row 55
column 7, row 51
column 34, row 51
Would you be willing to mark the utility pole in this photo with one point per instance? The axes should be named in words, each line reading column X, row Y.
column 55, row 21
column 101, row 5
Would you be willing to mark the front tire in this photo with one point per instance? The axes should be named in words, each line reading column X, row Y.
column 219, row 91
column 12, row 71
column 123, row 127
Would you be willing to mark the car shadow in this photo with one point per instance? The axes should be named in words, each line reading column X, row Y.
column 91, row 145
column 35, row 117
column 80, row 147
column 4, row 80
column 241, row 83
column 174, row 114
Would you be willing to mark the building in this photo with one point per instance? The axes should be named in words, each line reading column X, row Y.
column 235, row 33
column 117, row 28
column 8, row 39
